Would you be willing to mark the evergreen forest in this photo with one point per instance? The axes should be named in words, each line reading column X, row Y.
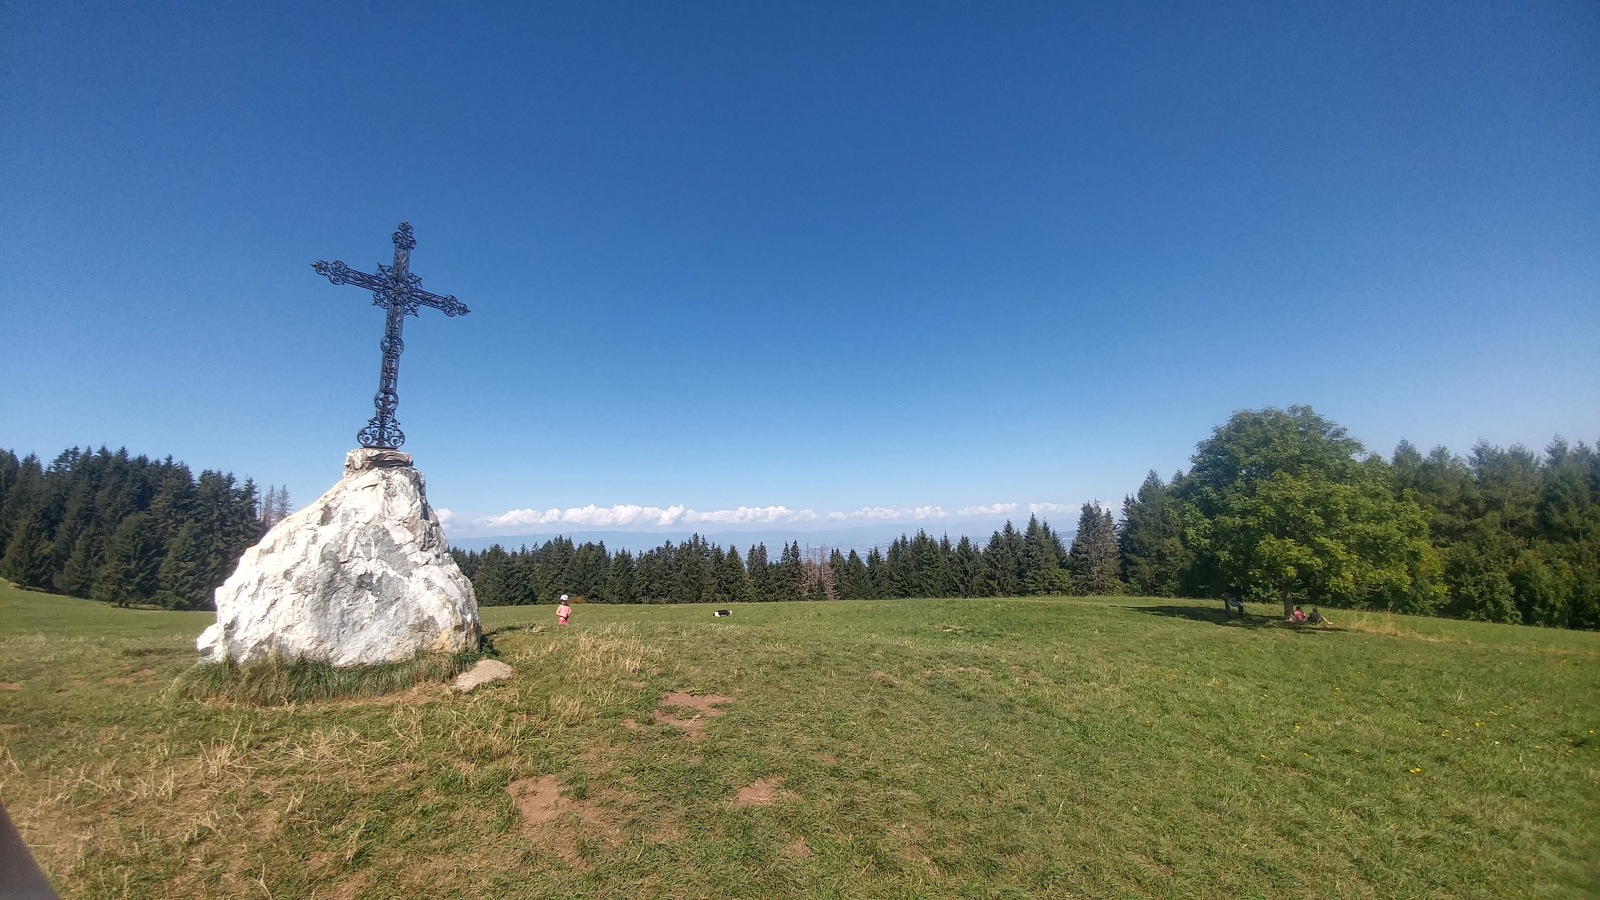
column 1279, row 505
column 124, row 530
column 1012, row 563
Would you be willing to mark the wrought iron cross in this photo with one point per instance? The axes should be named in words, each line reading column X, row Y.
column 400, row 292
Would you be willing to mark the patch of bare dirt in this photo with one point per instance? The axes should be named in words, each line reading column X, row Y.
column 759, row 792
column 539, row 800
column 826, row 759
column 630, row 724
column 10, row 685
column 551, row 818
column 706, row 705
column 797, row 848
column 350, row 887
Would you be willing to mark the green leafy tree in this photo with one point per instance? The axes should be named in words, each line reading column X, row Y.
column 1280, row 506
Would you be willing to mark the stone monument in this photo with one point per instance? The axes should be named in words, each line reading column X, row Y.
column 363, row 575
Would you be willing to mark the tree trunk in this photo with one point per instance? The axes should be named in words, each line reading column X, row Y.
column 1288, row 599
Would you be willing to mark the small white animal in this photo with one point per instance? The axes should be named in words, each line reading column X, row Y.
column 721, row 612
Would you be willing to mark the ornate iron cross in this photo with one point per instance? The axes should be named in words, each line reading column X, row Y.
column 397, row 290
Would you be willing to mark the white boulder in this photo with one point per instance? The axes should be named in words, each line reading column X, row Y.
column 361, row 576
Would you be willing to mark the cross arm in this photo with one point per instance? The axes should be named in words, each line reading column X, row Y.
column 450, row 306
column 339, row 273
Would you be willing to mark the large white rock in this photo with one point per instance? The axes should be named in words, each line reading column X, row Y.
column 363, row 575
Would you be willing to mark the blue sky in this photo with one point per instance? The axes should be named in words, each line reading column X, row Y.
column 799, row 258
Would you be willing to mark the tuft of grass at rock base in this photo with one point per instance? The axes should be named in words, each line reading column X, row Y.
column 275, row 681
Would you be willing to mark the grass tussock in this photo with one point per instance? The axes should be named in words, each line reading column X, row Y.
column 276, row 681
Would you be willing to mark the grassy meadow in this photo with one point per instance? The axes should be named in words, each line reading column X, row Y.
column 1114, row 747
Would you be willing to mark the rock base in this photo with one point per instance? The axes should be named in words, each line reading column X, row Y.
column 361, row 576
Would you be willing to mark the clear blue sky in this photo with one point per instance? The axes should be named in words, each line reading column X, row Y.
column 823, row 257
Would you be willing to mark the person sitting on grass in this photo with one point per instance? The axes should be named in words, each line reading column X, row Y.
column 1317, row 618
column 1298, row 616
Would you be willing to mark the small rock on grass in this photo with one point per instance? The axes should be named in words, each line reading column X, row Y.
column 485, row 671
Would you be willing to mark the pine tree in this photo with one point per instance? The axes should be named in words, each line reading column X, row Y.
column 27, row 558
column 877, row 575
column 1096, row 568
column 1041, row 568
column 967, row 569
column 1003, row 562
column 1150, row 540
column 856, row 581
column 130, row 572
column 790, row 574
column 760, row 571
column 77, row 573
column 733, row 582
column 181, row 577
column 619, row 579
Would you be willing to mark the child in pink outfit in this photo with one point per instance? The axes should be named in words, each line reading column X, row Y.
column 563, row 612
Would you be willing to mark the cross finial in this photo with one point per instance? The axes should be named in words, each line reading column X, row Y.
column 403, row 238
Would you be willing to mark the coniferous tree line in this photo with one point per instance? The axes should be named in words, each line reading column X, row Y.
column 124, row 530
column 1283, row 505
column 1033, row 561
column 1279, row 505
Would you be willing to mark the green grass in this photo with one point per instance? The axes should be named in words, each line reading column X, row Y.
column 943, row 748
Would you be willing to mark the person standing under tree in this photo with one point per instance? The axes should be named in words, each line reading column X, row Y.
column 563, row 612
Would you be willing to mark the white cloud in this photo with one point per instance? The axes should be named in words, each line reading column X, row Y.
column 625, row 514
column 1051, row 507
column 993, row 509
column 886, row 513
column 444, row 515
column 746, row 515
